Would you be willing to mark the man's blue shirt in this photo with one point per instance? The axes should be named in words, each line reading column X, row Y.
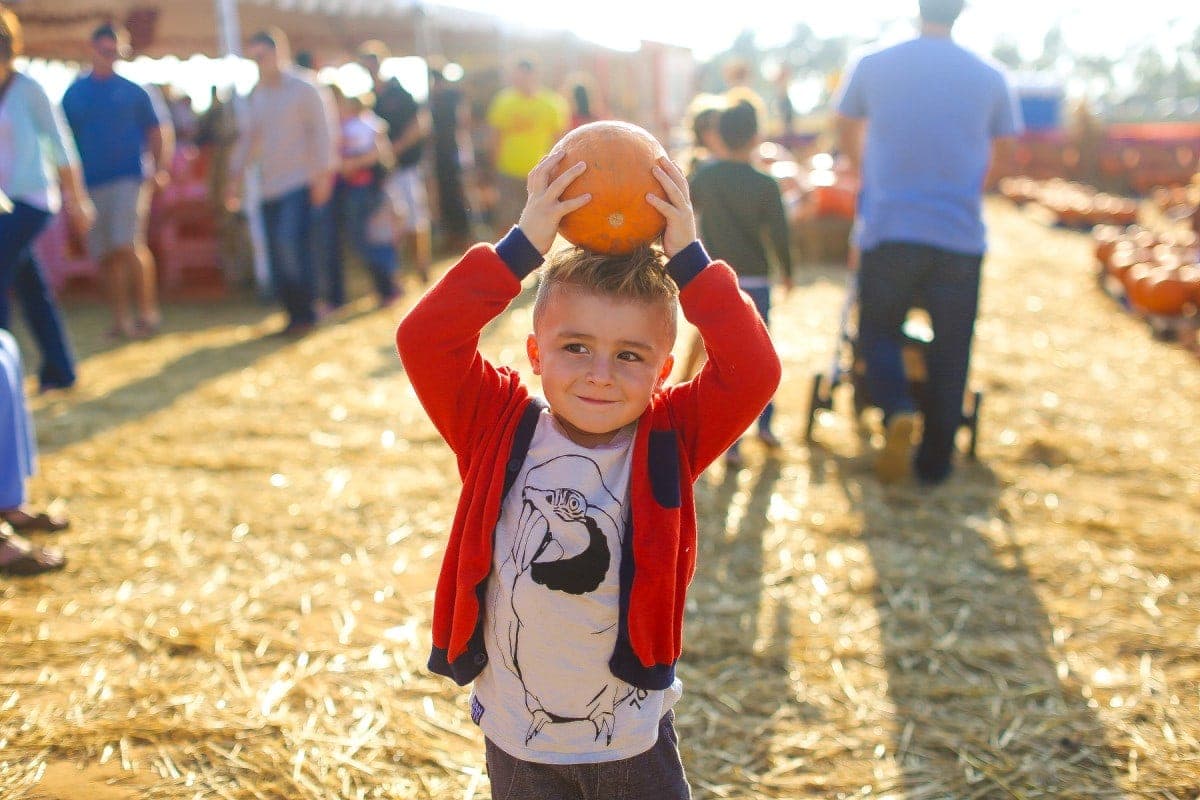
column 110, row 118
column 932, row 110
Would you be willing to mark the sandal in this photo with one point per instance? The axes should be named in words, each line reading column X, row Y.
column 22, row 521
column 119, row 333
column 25, row 559
column 146, row 328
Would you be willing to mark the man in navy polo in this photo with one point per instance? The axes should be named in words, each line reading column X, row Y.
column 117, row 124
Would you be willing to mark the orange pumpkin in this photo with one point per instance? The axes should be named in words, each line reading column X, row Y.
column 1124, row 256
column 1104, row 240
column 1135, row 279
column 1143, row 237
column 1191, row 276
column 619, row 156
column 1167, row 255
column 1162, row 292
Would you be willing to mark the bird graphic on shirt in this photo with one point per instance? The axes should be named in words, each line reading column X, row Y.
column 563, row 549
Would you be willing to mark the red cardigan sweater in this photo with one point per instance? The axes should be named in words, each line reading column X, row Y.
column 477, row 408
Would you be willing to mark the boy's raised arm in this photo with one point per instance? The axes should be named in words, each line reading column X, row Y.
column 438, row 343
column 438, row 340
column 742, row 370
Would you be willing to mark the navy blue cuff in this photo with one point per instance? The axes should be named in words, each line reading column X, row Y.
column 687, row 263
column 518, row 253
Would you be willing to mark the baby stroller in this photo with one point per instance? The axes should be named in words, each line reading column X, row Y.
column 848, row 366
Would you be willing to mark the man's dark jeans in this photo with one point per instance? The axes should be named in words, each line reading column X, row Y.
column 21, row 274
column 288, row 220
column 897, row 276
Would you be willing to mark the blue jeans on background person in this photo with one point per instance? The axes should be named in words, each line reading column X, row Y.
column 895, row 277
column 21, row 274
column 355, row 206
column 288, row 223
column 331, row 279
column 761, row 295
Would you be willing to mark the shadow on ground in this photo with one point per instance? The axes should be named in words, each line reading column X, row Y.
column 980, row 710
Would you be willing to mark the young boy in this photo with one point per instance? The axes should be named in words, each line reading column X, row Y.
column 739, row 207
column 562, row 588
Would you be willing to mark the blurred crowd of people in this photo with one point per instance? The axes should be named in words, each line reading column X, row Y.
column 339, row 178
column 347, row 179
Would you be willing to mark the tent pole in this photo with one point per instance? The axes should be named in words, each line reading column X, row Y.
column 229, row 36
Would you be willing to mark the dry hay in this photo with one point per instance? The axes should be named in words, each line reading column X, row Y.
column 258, row 524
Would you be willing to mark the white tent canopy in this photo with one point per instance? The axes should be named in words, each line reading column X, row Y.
column 61, row 28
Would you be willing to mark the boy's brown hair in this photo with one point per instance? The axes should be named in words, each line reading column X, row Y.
column 640, row 276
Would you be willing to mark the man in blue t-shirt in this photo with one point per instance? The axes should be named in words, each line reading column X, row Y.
column 116, row 123
column 921, row 120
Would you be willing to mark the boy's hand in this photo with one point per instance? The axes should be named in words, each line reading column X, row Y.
column 544, row 210
column 677, row 208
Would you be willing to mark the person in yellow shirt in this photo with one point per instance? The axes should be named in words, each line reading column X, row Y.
column 526, row 120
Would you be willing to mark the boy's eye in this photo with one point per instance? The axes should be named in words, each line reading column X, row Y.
column 575, row 347
column 628, row 355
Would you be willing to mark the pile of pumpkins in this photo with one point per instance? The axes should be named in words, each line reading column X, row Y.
column 1156, row 272
column 822, row 187
column 1076, row 205
column 1178, row 202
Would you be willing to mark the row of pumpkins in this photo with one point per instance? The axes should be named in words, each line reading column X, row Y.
column 822, row 187
column 1077, row 205
column 1178, row 202
column 1158, row 272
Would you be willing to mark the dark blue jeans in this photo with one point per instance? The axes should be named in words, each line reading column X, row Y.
column 897, row 276
column 355, row 205
column 21, row 273
column 656, row 774
column 288, row 220
column 761, row 295
column 331, row 280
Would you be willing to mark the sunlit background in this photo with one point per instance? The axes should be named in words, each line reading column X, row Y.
column 1100, row 25
column 1098, row 50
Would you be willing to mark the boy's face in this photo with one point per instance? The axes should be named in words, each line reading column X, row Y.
column 600, row 359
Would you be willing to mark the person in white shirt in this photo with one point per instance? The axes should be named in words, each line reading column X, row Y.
column 39, row 170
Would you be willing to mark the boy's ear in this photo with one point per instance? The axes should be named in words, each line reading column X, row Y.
column 535, row 355
column 665, row 372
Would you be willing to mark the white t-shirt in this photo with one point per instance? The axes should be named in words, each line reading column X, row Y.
column 359, row 134
column 550, row 618
column 8, row 148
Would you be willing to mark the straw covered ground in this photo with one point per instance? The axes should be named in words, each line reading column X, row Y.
column 258, row 522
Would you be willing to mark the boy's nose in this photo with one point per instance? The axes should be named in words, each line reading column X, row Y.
column 600, row 372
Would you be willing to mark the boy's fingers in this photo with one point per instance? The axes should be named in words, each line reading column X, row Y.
column 665, row 208
column 669, row 166
column 560, row 184
column 550, row 159
column 538, row 175
column 673, row 171
column 674, row 191
column 567, row 206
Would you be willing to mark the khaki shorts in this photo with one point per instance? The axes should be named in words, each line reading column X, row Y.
column 405, row 189
column 121, row 210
